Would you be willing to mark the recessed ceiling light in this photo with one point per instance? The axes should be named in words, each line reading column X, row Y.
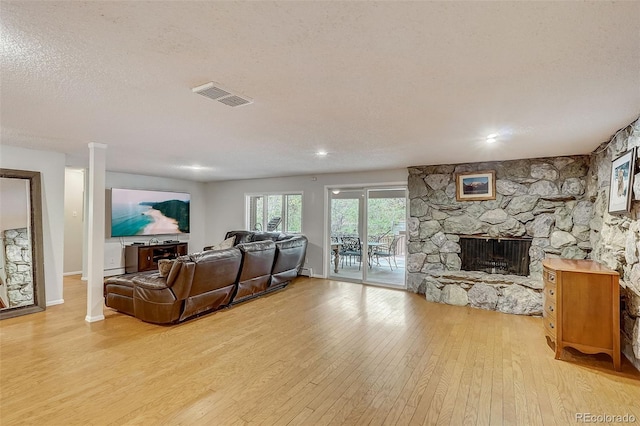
column 322, row 153
column 492, row 137
column 196, row 167
column 336, row 191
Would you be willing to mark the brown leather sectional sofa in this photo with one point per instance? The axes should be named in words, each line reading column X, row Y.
column 212, row 279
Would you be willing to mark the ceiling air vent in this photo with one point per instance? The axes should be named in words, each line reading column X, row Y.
column 213, row 90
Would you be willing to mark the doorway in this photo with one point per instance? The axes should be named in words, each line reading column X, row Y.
column 74, row 195
column 367, row 235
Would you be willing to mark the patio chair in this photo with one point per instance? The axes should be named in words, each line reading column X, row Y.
column 273, row 224
column 387, row 251
column 351, row 247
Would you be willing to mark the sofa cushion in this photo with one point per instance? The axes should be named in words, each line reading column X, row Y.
column 255, row 274
column 228, row 243
column 240, row 236
column 290, row 255
column 215, row 269
column 267, row 236
column 164, row 266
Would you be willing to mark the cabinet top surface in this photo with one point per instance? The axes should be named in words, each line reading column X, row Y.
column 159, row 245
column 576, row 265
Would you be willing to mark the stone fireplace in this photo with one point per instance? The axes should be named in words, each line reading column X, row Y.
column 559, row 203
column 504, row 256
column 541, row 210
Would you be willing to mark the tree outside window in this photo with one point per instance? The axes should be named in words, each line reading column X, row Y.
column 275, row 212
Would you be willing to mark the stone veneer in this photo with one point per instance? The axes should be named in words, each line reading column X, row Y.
column 561, row 203
column 542, row 199
column 17, row 254
column 616, row 238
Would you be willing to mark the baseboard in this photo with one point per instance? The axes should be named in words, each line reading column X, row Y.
column 66, row 274
column 55, row 302
column 113, row 271
column 317, row 276
column 94, row 319
column 84, row 278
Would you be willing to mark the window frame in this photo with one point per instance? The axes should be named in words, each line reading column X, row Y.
column 265, row 208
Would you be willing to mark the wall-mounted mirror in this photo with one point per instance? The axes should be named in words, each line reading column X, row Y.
column 21, row 255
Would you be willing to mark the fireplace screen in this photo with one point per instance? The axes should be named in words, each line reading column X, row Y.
column 495, row 256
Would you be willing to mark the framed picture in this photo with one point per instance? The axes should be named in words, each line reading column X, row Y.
column 622, row 170
column 476, row 186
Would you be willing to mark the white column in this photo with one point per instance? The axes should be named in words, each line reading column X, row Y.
column 85, row 224
column 95, row 260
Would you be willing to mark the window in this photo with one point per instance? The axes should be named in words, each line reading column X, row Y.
column 275, row 212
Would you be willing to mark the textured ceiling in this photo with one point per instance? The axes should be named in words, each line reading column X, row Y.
column 377, row 85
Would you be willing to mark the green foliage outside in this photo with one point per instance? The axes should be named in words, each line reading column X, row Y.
column 274, row 209
column 294, row 213
column 385, row 214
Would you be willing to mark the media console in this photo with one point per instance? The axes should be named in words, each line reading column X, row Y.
column 140, row 258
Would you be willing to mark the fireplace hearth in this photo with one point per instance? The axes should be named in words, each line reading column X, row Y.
column 495, row 255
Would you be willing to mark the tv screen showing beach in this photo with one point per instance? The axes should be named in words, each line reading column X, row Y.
column 139, row 212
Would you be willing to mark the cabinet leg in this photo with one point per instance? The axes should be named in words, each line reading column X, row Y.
column 558, row 351
column 617, row 365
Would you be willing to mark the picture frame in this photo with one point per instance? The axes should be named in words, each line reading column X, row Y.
column 476, row 186
column 621, row 183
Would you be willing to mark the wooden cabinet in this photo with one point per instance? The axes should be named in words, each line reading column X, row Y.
column 582, row 307
column 140, row 258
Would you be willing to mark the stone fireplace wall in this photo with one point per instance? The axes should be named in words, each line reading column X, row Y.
column 543, row 199
column 561, row 203
column 616, row 238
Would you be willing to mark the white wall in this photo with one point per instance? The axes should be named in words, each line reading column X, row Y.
column 226, row 211
column 73, row 220
column 51, row 165
column 114, row 251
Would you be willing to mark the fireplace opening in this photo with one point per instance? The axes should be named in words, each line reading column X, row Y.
column 495, row 256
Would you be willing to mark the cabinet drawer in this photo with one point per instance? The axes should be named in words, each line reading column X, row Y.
column 550, row 326
column 549, row 307
column 550, row 292
column 549, row 276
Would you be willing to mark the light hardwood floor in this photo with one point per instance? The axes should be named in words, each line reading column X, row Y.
column 319, row 352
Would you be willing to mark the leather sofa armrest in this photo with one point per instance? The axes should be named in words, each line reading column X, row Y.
column 179, row 280
column 181, row 284
column 150, row 282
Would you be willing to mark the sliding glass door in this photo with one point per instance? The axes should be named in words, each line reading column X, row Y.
column 346, row 224
column 367, row 235
column 386, row 235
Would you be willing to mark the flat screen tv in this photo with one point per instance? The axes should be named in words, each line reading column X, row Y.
column 139, row 212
